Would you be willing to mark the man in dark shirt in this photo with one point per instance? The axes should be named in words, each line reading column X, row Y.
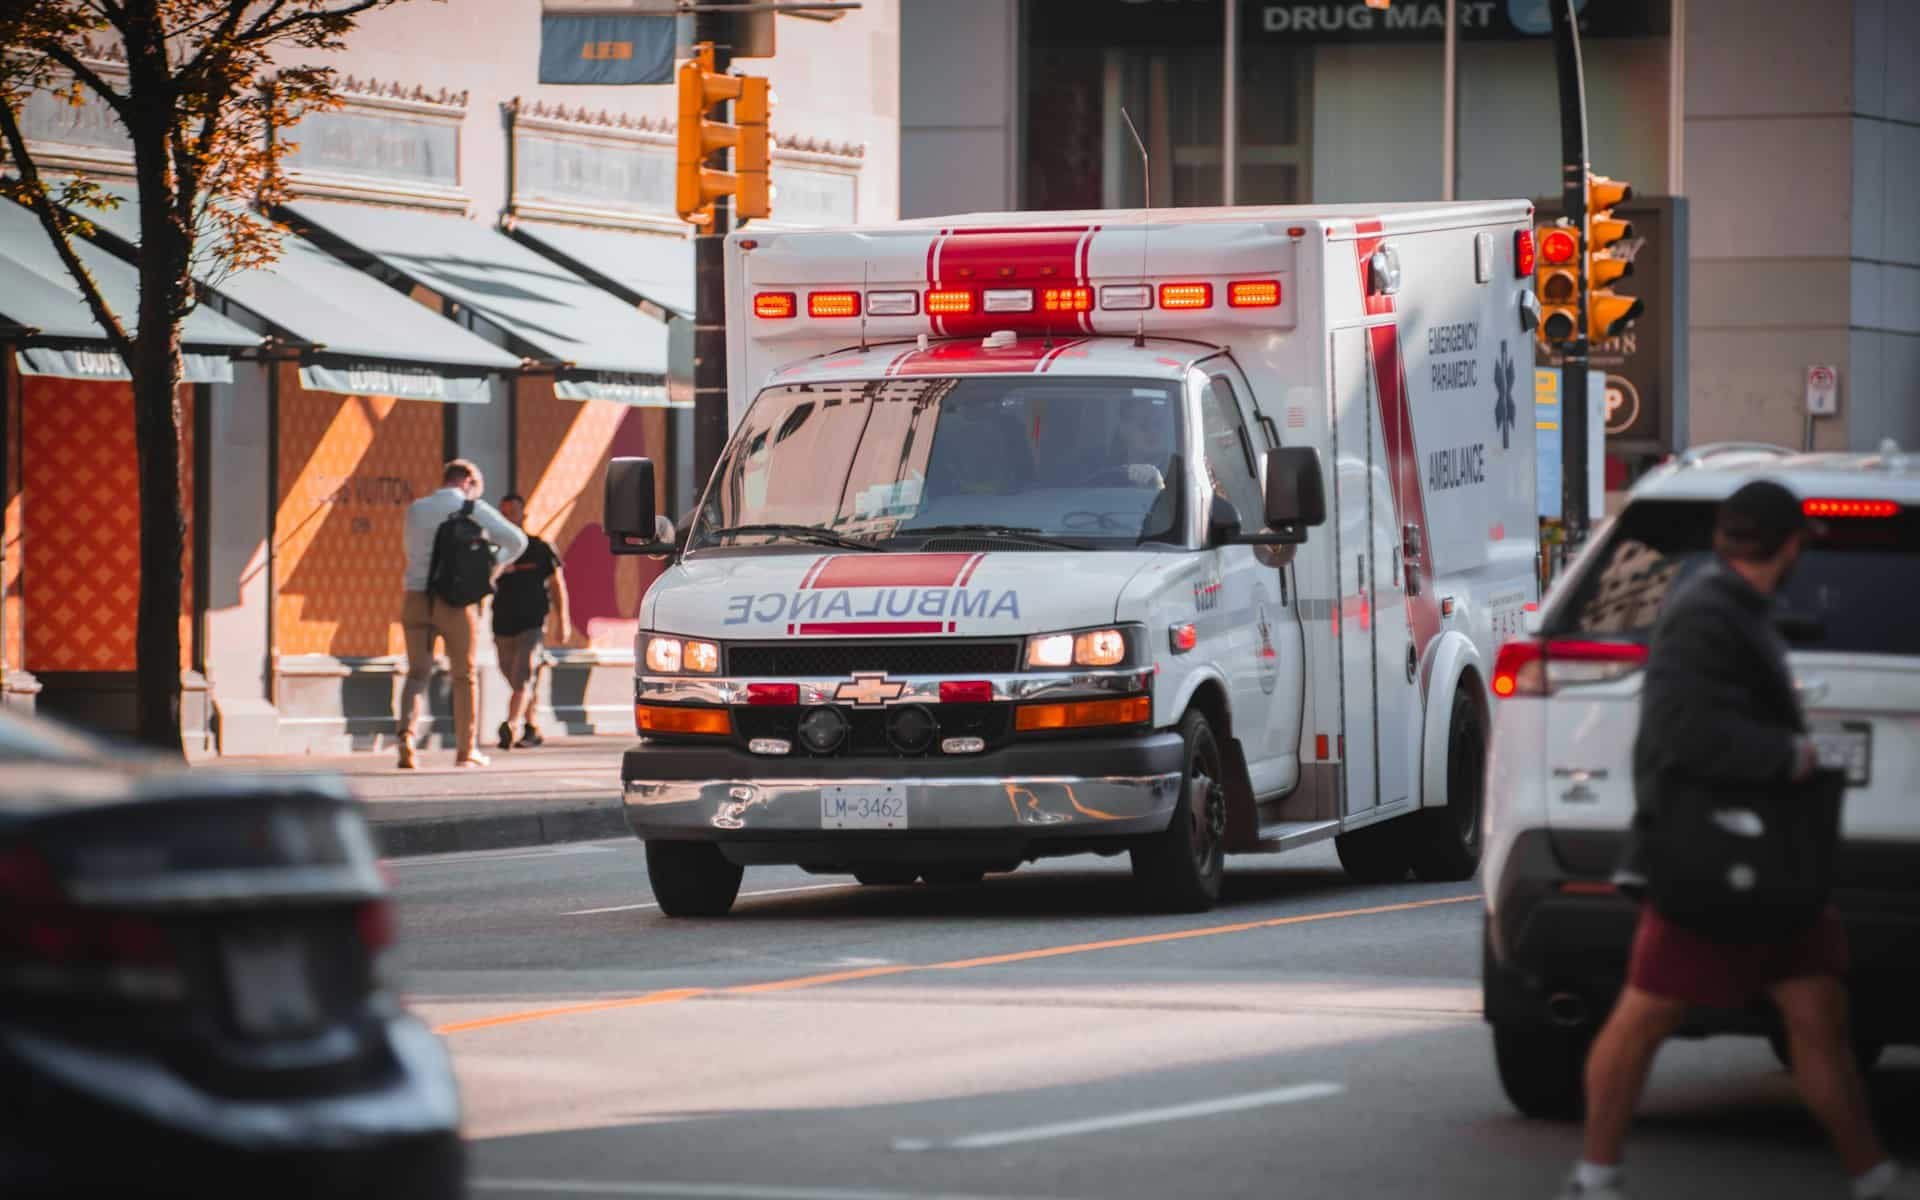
column 529, row 588
column 1719, row 711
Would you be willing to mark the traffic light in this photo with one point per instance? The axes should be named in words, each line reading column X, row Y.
column 1556, row 280
column 696, row 185
column 1608, row 315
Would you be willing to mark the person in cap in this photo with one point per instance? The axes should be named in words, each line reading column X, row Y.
column 1719, row 709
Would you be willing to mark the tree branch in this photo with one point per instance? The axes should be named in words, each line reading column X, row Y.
column 121, row 105
column 257, row 33
column 42, row 205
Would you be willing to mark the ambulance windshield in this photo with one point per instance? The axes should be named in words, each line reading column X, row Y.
column 903, row 463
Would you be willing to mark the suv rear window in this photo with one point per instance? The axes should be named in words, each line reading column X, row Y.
column 1850, row 592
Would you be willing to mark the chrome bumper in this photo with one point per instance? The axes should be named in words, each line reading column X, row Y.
column 1042, row 806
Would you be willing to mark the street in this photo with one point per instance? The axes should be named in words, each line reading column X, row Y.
column 1035, row 1036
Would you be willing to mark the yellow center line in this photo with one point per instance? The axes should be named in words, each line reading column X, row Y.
column 674, row 995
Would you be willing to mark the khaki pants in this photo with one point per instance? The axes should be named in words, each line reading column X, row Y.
column 423, row 619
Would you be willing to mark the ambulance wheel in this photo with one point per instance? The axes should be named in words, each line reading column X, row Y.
column 1378, row 853
column 1446, row 840
column 886, row 876
column 692, row 879
column 1181, row 870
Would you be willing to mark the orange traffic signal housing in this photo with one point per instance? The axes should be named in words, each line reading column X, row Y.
column 696, row 185
column 1608, row 315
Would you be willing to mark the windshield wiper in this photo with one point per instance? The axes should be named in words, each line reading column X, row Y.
column 807, row 533
column 1012, row 532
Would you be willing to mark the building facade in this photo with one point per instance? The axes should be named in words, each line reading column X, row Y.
column 1789, row 130
column 480, row 265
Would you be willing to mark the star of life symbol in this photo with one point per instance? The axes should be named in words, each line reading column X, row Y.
column 869, row 689
column 1504, row 415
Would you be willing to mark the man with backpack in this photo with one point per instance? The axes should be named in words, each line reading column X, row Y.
column 455, row 544
column 1719, row 720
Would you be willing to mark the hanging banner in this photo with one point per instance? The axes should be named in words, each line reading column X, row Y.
column 105, row 364
column 614, row 48
column 389, row 379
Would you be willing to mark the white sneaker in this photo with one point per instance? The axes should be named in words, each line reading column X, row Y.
column 473, row 759
column 1905, row 1186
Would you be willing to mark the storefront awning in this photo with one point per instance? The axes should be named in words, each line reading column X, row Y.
column 37, row 294
column 359, row 336
column 601, row 347
column 637, row 266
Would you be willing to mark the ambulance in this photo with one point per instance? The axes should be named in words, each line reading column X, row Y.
column 1175, row 533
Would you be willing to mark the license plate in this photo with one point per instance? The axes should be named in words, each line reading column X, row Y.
column 269, row 987
column 863, row 806
column 1846, row 746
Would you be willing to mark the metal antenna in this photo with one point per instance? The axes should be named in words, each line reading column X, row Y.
column 1146, row 231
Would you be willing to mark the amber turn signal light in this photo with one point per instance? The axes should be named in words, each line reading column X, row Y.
column 669, row 718
column 1079, row 715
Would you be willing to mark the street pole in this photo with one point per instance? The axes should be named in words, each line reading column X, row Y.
column 1449, row 93
column 1573, row 362
column 1230, row 107
column 709, row 288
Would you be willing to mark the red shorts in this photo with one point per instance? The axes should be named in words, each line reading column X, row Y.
column 1678, row 964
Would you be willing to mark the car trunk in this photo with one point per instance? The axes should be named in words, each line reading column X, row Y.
column 1855, row 659
column 232, row 931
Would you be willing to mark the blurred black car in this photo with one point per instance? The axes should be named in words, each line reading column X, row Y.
column 191, row 1000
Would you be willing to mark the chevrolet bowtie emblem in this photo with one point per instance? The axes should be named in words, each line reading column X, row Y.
column 869, row 689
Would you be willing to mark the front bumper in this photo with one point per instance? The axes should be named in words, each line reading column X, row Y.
column 1548, row 941
column 1068, row 792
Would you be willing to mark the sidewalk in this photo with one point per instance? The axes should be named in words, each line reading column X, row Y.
column 567, row 790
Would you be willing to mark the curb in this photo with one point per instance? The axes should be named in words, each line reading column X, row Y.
column 498, row 831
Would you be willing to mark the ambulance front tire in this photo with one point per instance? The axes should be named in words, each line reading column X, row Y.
column 1378, row 853
column 1181, row 870
column 692, row 879
column 1446, row 840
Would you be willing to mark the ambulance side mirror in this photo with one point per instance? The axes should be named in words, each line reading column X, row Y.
column 632, row 525
column 1296, row 495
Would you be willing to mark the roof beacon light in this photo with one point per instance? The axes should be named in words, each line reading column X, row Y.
column 774, row 306
column 893, row 304
column 1126, row 297
column 1254, row 293
column 1067, row 299
column 1870, row 509
column 1186, row 295
column 833, row 304
column 949, row 301
column 1008, row 300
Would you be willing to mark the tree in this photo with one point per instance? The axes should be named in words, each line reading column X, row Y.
column 202, row 103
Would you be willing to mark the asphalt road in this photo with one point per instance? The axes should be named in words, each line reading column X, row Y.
column 1034, row 1036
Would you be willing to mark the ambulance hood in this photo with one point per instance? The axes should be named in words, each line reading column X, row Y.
column 771, row 595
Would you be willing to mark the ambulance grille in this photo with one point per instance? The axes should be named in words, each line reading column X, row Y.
column 799, row 660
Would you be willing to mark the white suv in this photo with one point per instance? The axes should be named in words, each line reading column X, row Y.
column 1560, row 777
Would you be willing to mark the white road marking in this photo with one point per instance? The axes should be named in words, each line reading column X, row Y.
column 502, row 855
column 812, row 887
column 1150, row 1116
column 711, row 1191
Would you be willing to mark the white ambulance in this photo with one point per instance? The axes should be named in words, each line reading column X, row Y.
column 1020, row 546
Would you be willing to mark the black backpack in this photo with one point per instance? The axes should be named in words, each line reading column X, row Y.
column 461, row 569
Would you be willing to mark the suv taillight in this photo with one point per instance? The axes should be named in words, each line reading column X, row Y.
column 49, row 946
column 1539, row 668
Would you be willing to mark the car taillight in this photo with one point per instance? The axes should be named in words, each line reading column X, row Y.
column 1539, row 668
column 48, row 946
column 1869, row 509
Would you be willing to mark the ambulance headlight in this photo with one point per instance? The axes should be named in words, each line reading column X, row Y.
column 1093, row 648
column 680, row 656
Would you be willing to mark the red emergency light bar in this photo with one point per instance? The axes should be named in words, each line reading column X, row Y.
column 1254, row 293
column 1522, row 253
column 1067, row 299
column 833, row 304
column 1825, row 508
column 949, row 301
column 774, row 305
column 1186, row 295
